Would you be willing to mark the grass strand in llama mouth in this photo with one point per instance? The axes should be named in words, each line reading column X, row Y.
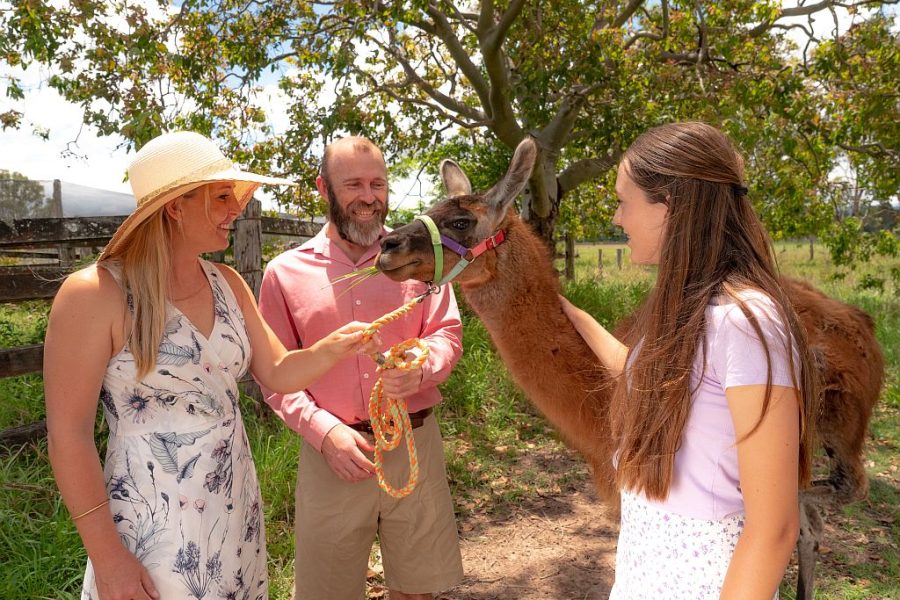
column 355, row 278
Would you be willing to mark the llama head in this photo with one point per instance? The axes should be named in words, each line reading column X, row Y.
column 464, row 217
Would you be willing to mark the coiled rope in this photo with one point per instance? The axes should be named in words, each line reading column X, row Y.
column 388, row 416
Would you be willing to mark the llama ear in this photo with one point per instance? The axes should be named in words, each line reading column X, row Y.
column 455, row 181
column 505, row 191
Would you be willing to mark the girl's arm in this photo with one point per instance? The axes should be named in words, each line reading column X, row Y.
column 768, row 464
column 611, row 352
column 282, row 371
column 77, row 348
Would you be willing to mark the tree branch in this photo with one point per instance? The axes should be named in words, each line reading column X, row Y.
column 664, row 5
column 443, row 114
column 556, row 133
column 413, row 77
column 799, row 11
column 506, row 20
column 465, row 19
column 490, row 41
column 583, row 170
column 877, row 150
column 486, row 16
column 442, row 30
column 601, row 22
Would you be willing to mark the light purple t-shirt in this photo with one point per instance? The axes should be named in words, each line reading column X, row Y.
column 705, row 480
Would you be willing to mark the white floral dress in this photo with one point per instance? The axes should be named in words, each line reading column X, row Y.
column 182, row 486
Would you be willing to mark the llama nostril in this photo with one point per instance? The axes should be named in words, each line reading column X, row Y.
column 389, row 243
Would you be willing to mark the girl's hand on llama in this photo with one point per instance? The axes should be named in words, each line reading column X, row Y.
column 575, row 314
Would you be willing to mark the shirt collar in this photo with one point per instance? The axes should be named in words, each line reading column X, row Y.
column 322, row 245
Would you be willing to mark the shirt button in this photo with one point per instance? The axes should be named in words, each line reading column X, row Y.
column 358, row 302
column 365, row 375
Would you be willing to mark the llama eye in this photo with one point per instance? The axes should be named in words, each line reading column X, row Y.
column 460, row 224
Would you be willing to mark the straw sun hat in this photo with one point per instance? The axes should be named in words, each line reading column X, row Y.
column 176, row 163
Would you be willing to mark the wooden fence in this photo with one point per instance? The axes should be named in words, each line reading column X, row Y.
column 60, row 236
column 64, row 239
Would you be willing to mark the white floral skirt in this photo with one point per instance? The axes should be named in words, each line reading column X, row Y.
column 667, row 556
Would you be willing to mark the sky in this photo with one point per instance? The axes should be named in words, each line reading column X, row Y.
column 76, row 154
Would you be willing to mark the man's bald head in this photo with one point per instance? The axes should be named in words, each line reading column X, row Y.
column 344, row 146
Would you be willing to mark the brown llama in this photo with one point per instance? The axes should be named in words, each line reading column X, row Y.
column 514, row 289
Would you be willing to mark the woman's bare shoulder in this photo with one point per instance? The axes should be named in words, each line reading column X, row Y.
column 92, row 290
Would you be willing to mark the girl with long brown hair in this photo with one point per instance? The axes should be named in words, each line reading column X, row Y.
column 716, row 393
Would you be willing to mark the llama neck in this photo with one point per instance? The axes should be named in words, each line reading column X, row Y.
column 519, row 306
column 522, row 278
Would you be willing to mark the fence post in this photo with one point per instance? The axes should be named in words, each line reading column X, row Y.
column 619, row 258
column 248, row 245
column 570, row 256
column 599, row 262
column 65, row 252
column 248, row 262
column 56, row 200
column 811, row 256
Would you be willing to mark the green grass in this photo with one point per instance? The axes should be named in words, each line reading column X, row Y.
column 275, row 450
column 499, row 451
column 21, row 398
column 41, row 555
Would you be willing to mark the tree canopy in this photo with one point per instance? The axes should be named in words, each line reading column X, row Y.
column 21, row 198
column 433, row 78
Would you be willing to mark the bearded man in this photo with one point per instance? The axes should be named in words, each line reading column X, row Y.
column 339, row 506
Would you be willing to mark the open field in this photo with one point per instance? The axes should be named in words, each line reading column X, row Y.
column 508, row 469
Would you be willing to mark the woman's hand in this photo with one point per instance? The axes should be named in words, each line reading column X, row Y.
column 611, row 352
column 123, row 577
column 348, row 340
column 575, row 314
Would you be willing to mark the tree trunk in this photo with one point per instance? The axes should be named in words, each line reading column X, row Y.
column 544, row 226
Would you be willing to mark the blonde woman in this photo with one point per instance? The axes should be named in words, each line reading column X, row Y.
column 161, row 337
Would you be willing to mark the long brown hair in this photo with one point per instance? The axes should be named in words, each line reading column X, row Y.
column 714, row 244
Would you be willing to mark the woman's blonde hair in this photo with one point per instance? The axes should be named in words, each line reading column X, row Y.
column 146, row 261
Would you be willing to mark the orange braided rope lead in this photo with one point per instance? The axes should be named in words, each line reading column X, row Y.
column 388, row 416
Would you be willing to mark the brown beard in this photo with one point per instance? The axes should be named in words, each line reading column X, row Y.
column 361, row 234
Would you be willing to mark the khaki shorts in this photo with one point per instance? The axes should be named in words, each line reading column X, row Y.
column 336, row 524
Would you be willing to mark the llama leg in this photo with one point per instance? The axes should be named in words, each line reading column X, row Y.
column 807, row 548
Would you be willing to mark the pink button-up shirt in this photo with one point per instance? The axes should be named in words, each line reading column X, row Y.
column 302, row 306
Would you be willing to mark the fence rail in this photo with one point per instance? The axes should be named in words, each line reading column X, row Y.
column 30, row 283
column 73, row 231
column 23, row 360
column 35, row 282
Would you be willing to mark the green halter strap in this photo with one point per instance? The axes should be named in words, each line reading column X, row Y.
column 437, row 245
column 466, row 255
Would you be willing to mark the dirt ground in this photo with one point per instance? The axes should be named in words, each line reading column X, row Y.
column 561, row 545
column 546, row 548
column 558, row 546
